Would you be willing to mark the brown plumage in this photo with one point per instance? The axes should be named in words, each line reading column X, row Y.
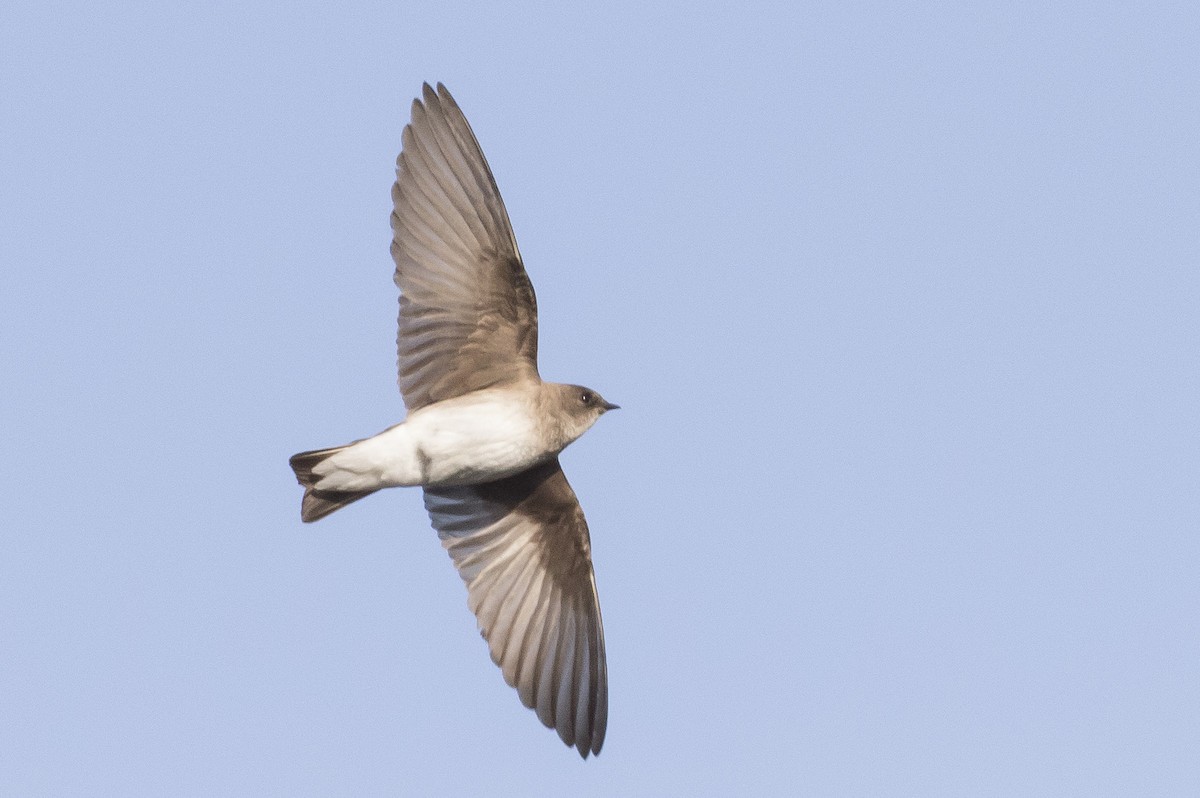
column 467, row 352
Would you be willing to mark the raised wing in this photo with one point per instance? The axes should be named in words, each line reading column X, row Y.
column 521, row 544
column 468, row 315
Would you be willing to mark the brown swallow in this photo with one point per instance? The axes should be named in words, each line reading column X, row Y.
column 483, row 431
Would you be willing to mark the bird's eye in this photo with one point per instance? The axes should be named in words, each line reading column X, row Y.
column 585, row 397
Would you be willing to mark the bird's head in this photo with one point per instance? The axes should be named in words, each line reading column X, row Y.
column 576, row 408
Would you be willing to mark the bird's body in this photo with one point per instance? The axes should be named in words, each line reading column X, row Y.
column 478, row 437
column 483, row 431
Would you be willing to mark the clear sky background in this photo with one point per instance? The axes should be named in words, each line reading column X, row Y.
column 901, row 302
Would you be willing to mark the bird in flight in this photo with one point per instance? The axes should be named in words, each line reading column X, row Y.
column 483, row 431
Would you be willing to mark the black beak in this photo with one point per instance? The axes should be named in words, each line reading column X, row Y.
column 610, row 406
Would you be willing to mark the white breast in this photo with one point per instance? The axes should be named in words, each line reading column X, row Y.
column 473, row 439
column 467, row 440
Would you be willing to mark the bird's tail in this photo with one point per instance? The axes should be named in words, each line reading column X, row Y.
column 319, row 503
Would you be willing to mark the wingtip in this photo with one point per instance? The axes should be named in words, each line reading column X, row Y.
column 433, row 97
column 586, row 750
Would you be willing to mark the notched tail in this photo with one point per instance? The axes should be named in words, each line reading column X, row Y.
column 319, row 503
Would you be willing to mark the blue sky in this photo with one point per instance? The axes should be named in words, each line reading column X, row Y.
column 900, row 303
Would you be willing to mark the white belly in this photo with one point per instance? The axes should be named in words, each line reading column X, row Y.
column 471, row 439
